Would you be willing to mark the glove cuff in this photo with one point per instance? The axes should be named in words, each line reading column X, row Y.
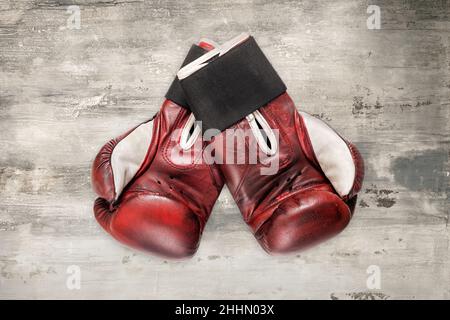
column 175, row 92
column 235, row 81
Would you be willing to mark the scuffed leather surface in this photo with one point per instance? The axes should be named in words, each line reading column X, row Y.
column 297, row 207
column 303, row 220
column 165, row 207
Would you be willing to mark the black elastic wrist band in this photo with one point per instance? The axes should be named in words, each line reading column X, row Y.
column 175, row 92
column 232, row 86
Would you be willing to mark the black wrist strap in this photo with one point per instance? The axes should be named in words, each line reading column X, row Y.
column 232, row 86
column 175, row 92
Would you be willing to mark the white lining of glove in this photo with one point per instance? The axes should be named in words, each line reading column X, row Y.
column 332, row 153
column 129, row 154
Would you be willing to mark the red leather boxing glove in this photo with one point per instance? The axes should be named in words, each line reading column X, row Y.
column 313, row 193
column 302, row 190
column 155, row 192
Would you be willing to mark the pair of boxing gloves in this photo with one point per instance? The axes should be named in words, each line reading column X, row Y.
column 294, row 179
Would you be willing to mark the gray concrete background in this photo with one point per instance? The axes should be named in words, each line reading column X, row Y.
column 64, row 92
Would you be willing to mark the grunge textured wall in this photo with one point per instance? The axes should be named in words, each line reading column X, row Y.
column 65, row 91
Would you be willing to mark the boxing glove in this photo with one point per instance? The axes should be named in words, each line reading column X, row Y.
column 155, row 193
column 302, row 188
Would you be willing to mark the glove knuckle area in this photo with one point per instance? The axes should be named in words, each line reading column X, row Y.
column 303, row 220
column 158, row 225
